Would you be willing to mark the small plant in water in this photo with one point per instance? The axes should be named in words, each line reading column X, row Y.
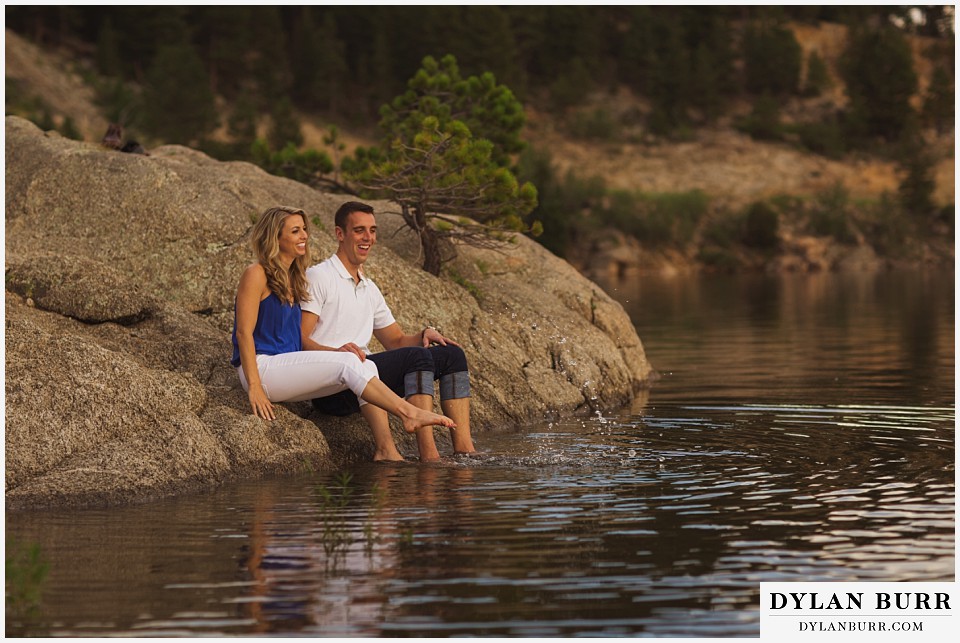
column 335, row 537
column 379, row 500
column 25, row 572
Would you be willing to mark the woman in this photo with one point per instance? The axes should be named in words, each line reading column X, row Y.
column 266, row 336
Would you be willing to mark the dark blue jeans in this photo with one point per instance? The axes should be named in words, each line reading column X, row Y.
column 409, row 371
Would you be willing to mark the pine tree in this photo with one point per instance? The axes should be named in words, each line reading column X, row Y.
column 449, row 189
column 178, row 106
column 444, row 158
column 242, row 126
column 488, row 108
column 917, row 186
column 227, row 33
column 285, row 126
column 332, row 65
column 818, row 78
column 772, row 60
column 878, row 69
column 938, row 105
column 108, row 50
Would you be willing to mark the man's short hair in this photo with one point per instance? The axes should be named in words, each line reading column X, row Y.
column 345, row 210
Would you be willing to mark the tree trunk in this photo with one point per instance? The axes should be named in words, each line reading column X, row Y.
column 430, row 245
column 429, row 241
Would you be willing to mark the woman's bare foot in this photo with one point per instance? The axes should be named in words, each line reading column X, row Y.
column 413, row 418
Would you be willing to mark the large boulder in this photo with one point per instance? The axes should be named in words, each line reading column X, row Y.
column 121, row 272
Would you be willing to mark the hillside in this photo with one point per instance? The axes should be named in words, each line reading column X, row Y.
column 729, row 166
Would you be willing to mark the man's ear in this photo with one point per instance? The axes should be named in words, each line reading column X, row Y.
column 338, row 231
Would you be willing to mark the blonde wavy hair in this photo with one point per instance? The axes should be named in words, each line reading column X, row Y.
column 288, row 285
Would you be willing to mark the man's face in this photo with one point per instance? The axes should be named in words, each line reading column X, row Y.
column 358, row 238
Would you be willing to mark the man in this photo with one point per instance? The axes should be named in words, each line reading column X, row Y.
column 346, row 308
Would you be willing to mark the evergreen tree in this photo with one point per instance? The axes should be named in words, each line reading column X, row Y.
column 818, row 78
column 319, row 63
column 227, row 33
column 636, row 49
column 178, row 106
column 707, row 83
column 449, row 189
column 441, row 171
column 555, row 214
column 308, row 89
column 144, row 30
column 488, row 109
column 270, row 67
column 669, row 87
column 772, row 60
column 489, row 44
column 285, row 126
column 108, row 50
column 938, row 105
column 569, row 90
column 917, row 186
column 878, row 69
column 331, row 65
column 375, row 76
column 242, row 126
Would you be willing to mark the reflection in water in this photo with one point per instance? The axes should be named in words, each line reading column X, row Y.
column 802, row 434
column 822, row 338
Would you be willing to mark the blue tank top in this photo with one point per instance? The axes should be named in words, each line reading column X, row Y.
column 277, row 330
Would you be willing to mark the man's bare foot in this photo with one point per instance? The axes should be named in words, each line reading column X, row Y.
column 393, row 456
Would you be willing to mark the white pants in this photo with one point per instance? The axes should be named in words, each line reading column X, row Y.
column 304, row 375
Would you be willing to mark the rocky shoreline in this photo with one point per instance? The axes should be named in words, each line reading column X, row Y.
column 120, row 276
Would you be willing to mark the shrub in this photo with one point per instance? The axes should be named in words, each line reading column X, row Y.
column 825, row 138
column 818, row 79
column 761, row 227
column 656, row 219
column 764, row 121
column 830, row 214
column 887, row 227
column 597, row 124
column 289, row 162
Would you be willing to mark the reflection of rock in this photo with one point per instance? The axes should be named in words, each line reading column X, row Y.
column 611, row 256
column 118, row 380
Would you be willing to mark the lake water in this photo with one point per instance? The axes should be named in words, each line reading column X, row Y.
column 802, row 429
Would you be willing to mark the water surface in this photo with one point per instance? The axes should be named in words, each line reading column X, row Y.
column 803, row 429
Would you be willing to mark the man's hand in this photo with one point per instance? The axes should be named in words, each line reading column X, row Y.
column 353, row 348
column 432, row 336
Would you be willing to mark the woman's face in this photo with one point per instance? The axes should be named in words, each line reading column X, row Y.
column 293, row 237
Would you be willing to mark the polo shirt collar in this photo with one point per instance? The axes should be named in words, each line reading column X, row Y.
column 343, row 272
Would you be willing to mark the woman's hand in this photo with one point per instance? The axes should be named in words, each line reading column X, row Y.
column 261, row 405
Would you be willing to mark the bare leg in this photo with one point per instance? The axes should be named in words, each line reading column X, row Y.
column 413, row 418
column 425, row 441
column 459, row 411
column 380, row 425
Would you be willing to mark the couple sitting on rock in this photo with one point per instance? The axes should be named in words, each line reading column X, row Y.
column 302, row 334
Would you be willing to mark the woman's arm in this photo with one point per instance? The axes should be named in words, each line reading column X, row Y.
column 252, row 288
column 308, row 321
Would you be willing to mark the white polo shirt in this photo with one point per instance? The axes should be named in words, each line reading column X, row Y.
column 348, row 311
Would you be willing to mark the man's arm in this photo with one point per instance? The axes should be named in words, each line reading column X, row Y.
column 308, row 321
column 392, row 336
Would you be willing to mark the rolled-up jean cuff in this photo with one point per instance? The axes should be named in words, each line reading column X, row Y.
column 454, row 386
column 418, row 383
